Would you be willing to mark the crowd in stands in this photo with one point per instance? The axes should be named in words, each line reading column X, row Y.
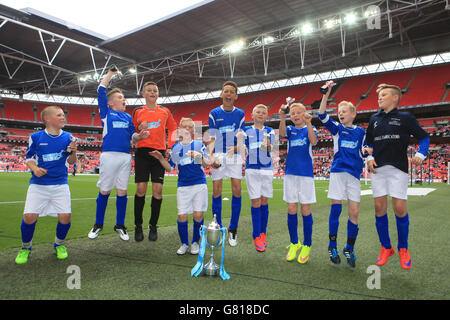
column 13, row 149
column 361, row 91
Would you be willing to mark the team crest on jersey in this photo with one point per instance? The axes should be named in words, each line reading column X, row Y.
column 349, row 144
column 228, row 128
column 154, row 125
column 298, row 142
column 255, row 145
column 185, row 161
column 120, row 124
column 52, row 156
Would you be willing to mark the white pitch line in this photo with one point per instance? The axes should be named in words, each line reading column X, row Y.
column 147, row 196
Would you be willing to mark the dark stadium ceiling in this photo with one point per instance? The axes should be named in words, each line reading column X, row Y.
column 194, row 51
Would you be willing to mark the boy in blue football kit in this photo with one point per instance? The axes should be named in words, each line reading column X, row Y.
column 259, row 173
column 192, row 192
column 388, row 136
column 298, row 185
column 49, row 154
column 224, row 122
column 346, row 170
column 115, row 160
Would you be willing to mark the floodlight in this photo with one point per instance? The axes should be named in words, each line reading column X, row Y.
column 235, row 46
column 268, row 39
column 307, row 28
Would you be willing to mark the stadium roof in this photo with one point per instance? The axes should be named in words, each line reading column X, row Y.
column 196, row 49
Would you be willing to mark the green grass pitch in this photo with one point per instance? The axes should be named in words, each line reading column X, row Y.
column 114, row 269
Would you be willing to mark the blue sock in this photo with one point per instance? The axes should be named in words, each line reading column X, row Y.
column 292, row 222
column 27, row 233
column 102, row 202
column 256, row 221
column 217, row 209
column 382, row 224
column 183, row 232
column 403, row 231
column 264, row 218
column 352, row 233
column 307, row 230
column 196, row 231
column 61, row 233
column 333, row 223
column 121, row 206
column 236, row 204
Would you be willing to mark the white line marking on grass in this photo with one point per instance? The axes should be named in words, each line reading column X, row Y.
column 147, row 196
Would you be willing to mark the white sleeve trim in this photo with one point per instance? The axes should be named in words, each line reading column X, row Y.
column 419, row 155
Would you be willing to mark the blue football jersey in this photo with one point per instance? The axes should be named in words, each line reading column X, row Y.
column 49, row 152
column 347, row 146
column 118, row 127
column 256, row 157
column 299, row 160
column 223, row 126
column 189, row 172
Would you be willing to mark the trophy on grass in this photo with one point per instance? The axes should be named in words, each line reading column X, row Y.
column 212, row 236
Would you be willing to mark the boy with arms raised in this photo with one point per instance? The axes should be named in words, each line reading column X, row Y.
column 346, row 170
column 192, row 192
column 115, row 160
column 49, row 154
column 298, row 185
column 388, row 136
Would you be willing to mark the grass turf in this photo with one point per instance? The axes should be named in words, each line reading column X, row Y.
column 113, row 269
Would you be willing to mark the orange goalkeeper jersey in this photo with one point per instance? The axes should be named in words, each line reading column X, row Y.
column 158, row 120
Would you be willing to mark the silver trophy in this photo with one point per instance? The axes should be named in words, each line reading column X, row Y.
column 72, row 139
column 213, row 239
column 119, row 74
column 289, row 100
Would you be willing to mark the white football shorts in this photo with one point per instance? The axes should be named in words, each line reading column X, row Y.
column 299, row 189
column 259, row 183
column 231, row 167
column 389, row 181
column 192, row 199
column 48, row 200
column 344, row 186
column 115, row 171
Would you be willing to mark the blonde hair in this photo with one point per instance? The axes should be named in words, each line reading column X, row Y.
column 349, row 104
column 110, row 94
column 186, row 119
column 260, row 106
column 297, row 105
column 47, row 111
column 395, row 90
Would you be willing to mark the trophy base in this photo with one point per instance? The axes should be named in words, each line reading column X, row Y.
column 211, row 269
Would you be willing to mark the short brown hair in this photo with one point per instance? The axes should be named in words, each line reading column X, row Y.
column 47, row 111
column 112, row 92
column 395, row 90
column 230, row 83
column 149, row 83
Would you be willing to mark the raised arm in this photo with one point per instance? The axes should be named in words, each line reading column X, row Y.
column 323, row 103
column 282, row 128
column 312, row 136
